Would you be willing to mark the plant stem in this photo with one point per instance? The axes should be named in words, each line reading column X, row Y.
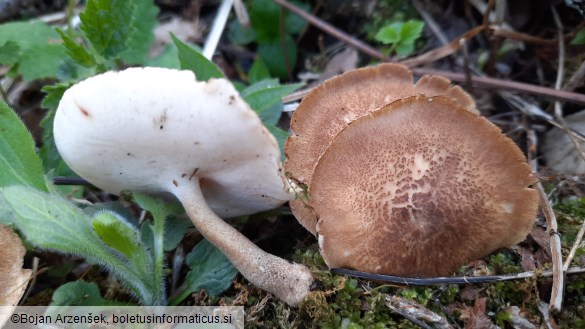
column 158, row 233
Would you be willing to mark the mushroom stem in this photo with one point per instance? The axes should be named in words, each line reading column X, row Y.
column 288, row 281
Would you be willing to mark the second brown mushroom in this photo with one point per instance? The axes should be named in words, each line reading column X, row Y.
column 416, row 187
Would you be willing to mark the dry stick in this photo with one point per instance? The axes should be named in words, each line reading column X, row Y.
column 483, row 82
column 413, row 311
column 556, row 298
column 576, row 79
column 574, row 248
column 430, row 21
column 546, row 319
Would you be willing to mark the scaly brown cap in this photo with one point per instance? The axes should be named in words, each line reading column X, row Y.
column 331, row 106
column 418, row 188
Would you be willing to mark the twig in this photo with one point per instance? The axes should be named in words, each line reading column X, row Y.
column 556, row 298
column 430, row 21
column 330, row 29
column 414, row 312
column 483, row 82
column 546, row 318
column 574, row 248
column 576, row 79
column 452, row 280
column 63, row 180
column 217, row 28
column 33, row 280
column 241, row 13
column 3, row 93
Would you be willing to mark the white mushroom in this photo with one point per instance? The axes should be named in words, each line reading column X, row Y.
column 159, row 130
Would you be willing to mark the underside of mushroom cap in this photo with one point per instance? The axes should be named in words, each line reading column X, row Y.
column 13, row 279
column 152, row 129
column 418, row 188
column 331, row 106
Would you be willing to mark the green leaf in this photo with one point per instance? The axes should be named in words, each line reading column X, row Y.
column 259, row 71
column 267, row 102
column 169, row 58
column 77, row 52
column 6, row 217
column 143, row 36
column 27, row 34
column 51, row 159
column 175, row 230
column 294, row 23
column 53, row 96
column 411, row 31
column 9, row 53
column 273, row 55
column 20, row 164
column 210, row 270
column 193, row 60
column 108, row 25
column 240, row 35
column 117, row 233
column 389, row 34
column 265, row 17
column 404, row 48
column 280, row 136
column 579, row 38
column 263, row 99
column 160, row 210
column 78, row 293
column 51, row 222
column 157, row 207
column 257, row 86
column 42, row 61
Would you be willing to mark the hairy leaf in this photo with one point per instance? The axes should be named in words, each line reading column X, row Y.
column 143, row 25
column 76, row 51
column 108, row 25
column 20, row 164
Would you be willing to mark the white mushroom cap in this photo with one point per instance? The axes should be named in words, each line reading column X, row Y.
column 147, row 129
column 13, row 279
column 159, row 130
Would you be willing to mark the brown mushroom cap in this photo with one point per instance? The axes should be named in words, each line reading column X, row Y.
column 334, row 104
column 418, row 188
column 13, row 279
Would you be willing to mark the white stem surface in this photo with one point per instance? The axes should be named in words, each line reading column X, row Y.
column 288, row 281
